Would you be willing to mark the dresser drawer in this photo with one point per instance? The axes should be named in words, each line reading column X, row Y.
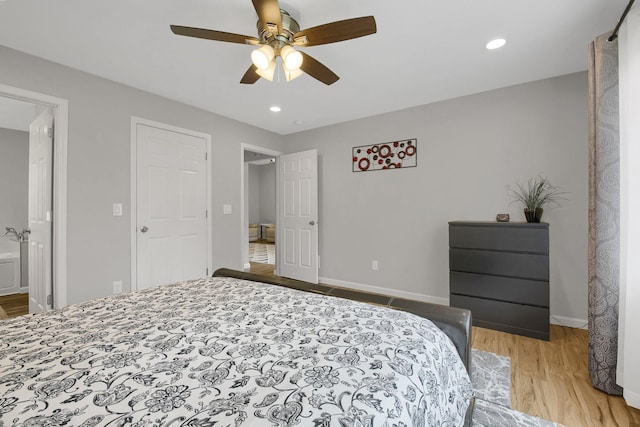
column 533, row 238
column 504, row 316
column 507, row 289
column 511, row 264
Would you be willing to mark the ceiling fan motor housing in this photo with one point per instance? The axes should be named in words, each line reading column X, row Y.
column 271, row 37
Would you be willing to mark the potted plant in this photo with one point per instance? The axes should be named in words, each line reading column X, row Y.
column 538, row 193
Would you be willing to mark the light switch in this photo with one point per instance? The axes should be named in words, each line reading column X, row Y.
column 117, row 209
column 226, row 209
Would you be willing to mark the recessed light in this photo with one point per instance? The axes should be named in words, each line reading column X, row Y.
column 275, row 109
column 496, row 44
column 299, row 122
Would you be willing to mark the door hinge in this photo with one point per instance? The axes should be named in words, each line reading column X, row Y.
column 207, row 271
column 206, row 213
column 50, row 300
column 206, row 156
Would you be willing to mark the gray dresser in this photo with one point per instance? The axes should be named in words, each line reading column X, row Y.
column 500, row 271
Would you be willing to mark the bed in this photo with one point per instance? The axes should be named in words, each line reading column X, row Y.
column 237, row 350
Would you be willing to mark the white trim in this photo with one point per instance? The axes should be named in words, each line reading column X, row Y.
column 60, row 108
column 631, row 398
column 556, row 320
column 244, row 232
column 135, row 121
column 570, row 322
column 385, row 291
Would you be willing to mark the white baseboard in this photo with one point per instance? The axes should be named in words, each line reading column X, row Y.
column 570, row 322
column 385, row 291
column 24, row 290
column 632, row 398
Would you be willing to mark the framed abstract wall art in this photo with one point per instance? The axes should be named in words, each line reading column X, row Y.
column 387, row 155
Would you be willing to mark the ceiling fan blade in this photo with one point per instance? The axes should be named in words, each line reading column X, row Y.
column 250, row 77
column 269, row 13
column 221, row 36
column 337, row 31
column 318, row 71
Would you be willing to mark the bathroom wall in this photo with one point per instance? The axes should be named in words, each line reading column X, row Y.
column 14, row 179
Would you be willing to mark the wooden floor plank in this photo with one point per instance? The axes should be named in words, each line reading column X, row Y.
column 15, row 305
column 550, row 379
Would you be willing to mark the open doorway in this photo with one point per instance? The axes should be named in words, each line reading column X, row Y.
column 259, row 209
column 27, row 130
column 15, row 118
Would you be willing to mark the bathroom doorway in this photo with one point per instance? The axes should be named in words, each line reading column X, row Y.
column 21, row 114
column 15, row 119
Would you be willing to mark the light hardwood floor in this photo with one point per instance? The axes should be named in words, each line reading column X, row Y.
column 262, row 269
column 15, row 305
column 549, row 379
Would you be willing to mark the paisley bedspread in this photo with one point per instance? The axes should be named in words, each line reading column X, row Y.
column 228, row 352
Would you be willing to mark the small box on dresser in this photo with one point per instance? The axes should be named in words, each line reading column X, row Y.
column 500, row 271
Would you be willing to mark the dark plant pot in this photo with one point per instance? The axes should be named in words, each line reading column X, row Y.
column 533, row 215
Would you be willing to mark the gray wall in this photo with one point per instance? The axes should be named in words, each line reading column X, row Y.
column 99, row 162
column 268, row 193
column 14, row 179
column 262, row 193
column 254, row 193
column 469, row 150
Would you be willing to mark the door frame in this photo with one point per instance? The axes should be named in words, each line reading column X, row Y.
column 244, row 231
column 135, row 121
column 60, row 109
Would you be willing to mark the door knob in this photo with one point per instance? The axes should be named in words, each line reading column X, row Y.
column 312, row 223
column 144, row 229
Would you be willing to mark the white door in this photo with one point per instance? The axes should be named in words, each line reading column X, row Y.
column 171, row 224
column 40, row 209
column 298, row 216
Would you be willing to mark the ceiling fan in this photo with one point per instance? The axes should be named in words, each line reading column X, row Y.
column 278, row 33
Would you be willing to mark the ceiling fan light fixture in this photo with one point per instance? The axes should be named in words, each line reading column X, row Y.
column 291, row 74
column 262, row 58
column 291, row 58
column 268, row 72
column 278, row 36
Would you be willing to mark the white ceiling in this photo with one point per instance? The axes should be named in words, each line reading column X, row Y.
column 424, row 50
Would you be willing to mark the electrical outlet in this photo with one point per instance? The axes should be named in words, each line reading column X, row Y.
column 117, row 287
column 374, row 265
column 117, row 209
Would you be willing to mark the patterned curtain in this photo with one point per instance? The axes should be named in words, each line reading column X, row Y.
column 604, row 213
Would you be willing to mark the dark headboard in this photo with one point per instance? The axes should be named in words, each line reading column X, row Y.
column 455, row 322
